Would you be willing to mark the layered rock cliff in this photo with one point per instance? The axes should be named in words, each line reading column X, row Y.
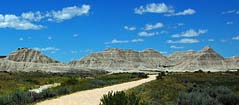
column 206, row 59
column 123, row 59
column 29, row 55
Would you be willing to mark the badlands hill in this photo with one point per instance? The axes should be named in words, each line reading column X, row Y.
column 206, row 59
column 149, row 59
column 25, row 59
column 29, row 55
column 114, row 59
column 122, row 59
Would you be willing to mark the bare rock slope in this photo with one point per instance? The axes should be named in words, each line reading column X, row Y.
column 123, row 59
column 25, row 59
column 206, row 59
column 29, row 55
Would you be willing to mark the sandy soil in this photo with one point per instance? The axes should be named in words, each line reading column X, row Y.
column 92, row 97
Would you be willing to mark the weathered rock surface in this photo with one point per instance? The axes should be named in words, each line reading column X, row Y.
column 232, row 63
column 206, row 59
column 29, row 55
column 179, row 57
column 24, row 59
column 118, row 59
column 123, row 60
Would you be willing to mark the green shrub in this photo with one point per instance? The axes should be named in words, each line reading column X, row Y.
column 21, row 98
column 229, row 99
column 63, row 91
column 121, row 98
column 160, row 75
column 48, row 93
column 71, row 81
column 199, row 71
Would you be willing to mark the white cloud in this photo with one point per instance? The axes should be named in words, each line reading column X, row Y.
column 12, row 21
column 51, row 49
column 147, row 34
column 137, row 40
column 176, row 47
column 116, row 41
column 28, row 20
column 184, row 41
column 163, row 52
column 31, row 16
column 153, row 26
column 229, row 23
column 49, row 38
column 21, row 39
column 223, row 40
column 68, row 13
column 163, row 9
column 190, row 33
column 180, row 24
column 235, row 38
column 153, row 8
column 231, row 12
column 184, row 12
column 211, row 40
column 75, row 35
column 129, row 28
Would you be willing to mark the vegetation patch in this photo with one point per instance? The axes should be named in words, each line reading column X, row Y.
column 197, row 88
column 20, row 83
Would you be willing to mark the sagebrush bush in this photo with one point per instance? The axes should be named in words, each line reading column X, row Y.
column 228, row 99
column 121, row 98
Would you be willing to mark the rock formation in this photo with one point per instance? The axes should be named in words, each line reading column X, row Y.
column 123, row 60
column 29, row 55
column 114, row 59
column 24, row 59
column 179, row 57
column 206, row 59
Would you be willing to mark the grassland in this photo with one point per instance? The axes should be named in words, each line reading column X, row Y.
column 198, row 88
column 191, row 89
column 14, row 86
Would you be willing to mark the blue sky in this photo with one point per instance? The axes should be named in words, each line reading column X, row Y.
column 70, row 29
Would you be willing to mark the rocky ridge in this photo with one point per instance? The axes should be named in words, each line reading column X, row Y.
column 122, row 59
column 113, row 59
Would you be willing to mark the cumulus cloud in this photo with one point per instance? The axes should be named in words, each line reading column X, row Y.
column 137, row 40
column 235, row 38
column 68, row 13
column 153, row 26
column 47, row 49
column 147, row 34
column 176, row 47
column 12, row 21
column 31, row 16
column 153, row 8
column 132, row 28
column 162, row 8
column 184, row 41
column 190, row 33
column 184, row 12
column 30, row 20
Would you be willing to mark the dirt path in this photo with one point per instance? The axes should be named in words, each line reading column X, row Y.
column 92, row 97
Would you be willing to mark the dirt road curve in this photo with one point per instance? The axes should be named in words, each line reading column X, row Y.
column 92, row 97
